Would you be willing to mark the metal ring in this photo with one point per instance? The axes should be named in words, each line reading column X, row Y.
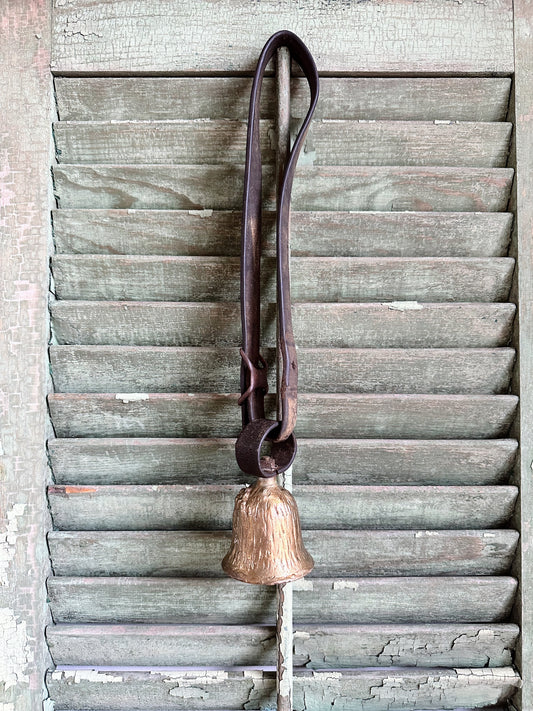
column 248, row 449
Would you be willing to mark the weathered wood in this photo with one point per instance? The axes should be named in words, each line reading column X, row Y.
column 103, row 369
column 323, row 279
column 219, row 187
column 332, row 416
column 25, row 201
column 225, row 601
column 400, row 99
column 315, row 646
column 192, row 461
column 522, row 158
column 210, row 507
column 329, row 142
column 432, row 37
column 355, row 690
column 339, row 234
column 387, row 325
column 198, row 554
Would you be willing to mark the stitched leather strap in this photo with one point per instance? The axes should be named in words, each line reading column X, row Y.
column 253, row 368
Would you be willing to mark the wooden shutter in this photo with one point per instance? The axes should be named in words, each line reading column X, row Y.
column 402, row 275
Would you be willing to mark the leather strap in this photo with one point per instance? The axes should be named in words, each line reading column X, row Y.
column 253, row 367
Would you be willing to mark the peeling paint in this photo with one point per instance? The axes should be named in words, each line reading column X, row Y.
column 16, row 649
column 131, row 397
column 8, row 539
column 403, row 305
column 201, row 213
column 344, row 585
column 92, row 675
column 302, row 585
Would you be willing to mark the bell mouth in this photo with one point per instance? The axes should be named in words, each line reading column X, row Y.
column 248, row 576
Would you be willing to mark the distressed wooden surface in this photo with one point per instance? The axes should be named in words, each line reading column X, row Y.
column 356, row 690
column 336, row 553
column 376, row 98
column 114, row 369
column 326, row 234
column 315, row 646
column 318, row 279
column 329, row 142
column 209, row 507
column 25, row 200
column 224, row 601
column 219, row 187
column 332, row 415
column 191, row 461
column 359, row 325
column 432, row 37
column 522, row 109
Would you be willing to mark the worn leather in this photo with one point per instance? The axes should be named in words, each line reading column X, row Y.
column 253, row 368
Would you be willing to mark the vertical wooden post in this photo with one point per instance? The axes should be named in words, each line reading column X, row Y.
column 523, row 106
column 25, row 201
column 284, row 591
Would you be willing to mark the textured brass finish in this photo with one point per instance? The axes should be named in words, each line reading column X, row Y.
column 267, row 546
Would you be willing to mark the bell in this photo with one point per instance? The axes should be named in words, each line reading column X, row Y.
column 267, row 546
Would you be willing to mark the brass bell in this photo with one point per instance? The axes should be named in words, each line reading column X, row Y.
column 267, row 546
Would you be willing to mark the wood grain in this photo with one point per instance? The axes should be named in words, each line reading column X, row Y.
column 225, row 601
column 210, row 506
column 383, row 98
column 325, row 233
column 329, row 142
column 101, row 369
column 102, row 461
column 332, row 416
column 356, row 325
column 219, row 187
column 182, row 690
column 315, row 279
column 315, row 646
column 198, row 554
column 432, row 37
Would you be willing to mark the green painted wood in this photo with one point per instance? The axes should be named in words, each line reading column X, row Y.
column 334, row 370
column 355, row 690
column 224, row 601
column 360, row 325
column 322, row 279
column 336, row 553
column 332, row 415
column 329, row 142
column 315, row 646
column 219, row 187
column 349, row 39
column 385, row 98
column 146, row 461
column 210, row 506
column 339, row 234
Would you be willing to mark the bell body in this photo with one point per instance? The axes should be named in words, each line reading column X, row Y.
column 267, row 546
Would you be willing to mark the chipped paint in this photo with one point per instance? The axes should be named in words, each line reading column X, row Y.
column 403, row 305
column 131, row 397
column 16, row 649
column 201, row 213
column 344, row 585
column 76, row 676
column 8, row 539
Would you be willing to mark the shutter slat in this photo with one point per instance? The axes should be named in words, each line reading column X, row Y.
column 192, row 461
column 340, row 234
column 209, row 507
column 315, row 646
column 404, row 99
column 103, row 369
column 329, row 142
column 356, row 325
column 336, row 553
column 313, row 279
column 333, row 416
column 313, row 690
column 221, row 601
column 219, row 187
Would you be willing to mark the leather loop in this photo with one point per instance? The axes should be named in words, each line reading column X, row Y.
column 250, row 442
column 253, row 376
